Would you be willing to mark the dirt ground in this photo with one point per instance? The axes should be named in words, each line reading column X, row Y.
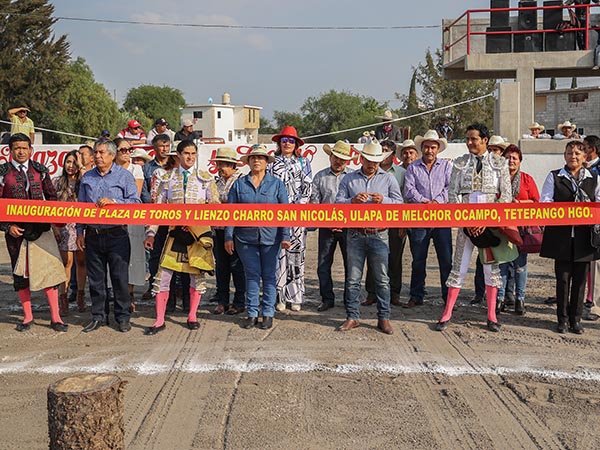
column 302, row 385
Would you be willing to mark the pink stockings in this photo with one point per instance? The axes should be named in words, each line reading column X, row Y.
column 490, row 292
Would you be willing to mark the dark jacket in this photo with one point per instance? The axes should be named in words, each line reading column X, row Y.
column 557, row 242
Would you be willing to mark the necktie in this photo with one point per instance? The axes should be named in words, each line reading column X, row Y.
column 185, row 179
column 479, row 164
column 24, row 175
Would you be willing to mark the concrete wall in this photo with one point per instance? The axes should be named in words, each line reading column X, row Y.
column 558, row 108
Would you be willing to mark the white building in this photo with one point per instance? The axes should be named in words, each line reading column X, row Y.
column 236, row 125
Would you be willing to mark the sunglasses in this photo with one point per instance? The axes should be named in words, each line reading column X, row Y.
column 125, row 150
column 287, row 140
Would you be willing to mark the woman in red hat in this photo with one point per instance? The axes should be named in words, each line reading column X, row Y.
column 295, row 172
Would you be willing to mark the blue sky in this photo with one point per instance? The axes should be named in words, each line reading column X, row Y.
column 277, row 70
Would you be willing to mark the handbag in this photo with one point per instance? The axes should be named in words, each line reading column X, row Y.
column 595, row 236
column 485, row 239
column 532, row 236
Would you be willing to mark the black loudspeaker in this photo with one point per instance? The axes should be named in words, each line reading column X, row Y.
column 499, row 18
column 498, row 43
column 559, row 42
column 527, row 18
column 552, row 17
column 528, row 43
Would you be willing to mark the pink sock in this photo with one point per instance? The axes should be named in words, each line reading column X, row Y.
column 25, row 298
column 52, row 294
column 194, row 303
column 491, row 294
column 450, row 302
column 161, row 307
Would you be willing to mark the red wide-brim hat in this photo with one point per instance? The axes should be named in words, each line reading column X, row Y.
column 288, row 131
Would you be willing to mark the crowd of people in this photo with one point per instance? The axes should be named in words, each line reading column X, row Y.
column 175, row 260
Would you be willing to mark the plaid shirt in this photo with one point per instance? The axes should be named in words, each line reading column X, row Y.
column 421, row 185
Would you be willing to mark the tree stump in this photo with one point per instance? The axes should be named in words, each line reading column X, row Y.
column 86, row 412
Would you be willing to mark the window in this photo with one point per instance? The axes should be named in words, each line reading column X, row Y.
column 578, row 98
column 249, row 115
column 219, row 116
column 197, row 114
column 253, row 115
column 230, row 135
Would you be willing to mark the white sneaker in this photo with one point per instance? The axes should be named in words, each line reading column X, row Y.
column 280, row 306
column 296, row 306
column 595, row 67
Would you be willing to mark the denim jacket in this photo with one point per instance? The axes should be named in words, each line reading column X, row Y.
column 271, row 190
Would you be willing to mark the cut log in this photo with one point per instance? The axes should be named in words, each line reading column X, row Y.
column 86, row 412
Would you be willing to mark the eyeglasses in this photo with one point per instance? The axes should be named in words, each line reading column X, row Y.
column 125, row 150
column 287, row 140
column 136, row 128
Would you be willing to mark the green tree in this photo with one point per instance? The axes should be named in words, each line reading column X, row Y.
column 333, row 111
column 152, row 102
column 437, row 92
column 283, row 118
column 89, row 106
column 411, row 106
column 33, row 62
column 266, row 126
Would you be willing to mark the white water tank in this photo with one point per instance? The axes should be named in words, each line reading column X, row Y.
column 226, row 99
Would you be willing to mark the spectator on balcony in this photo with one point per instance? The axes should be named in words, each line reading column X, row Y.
column 444, row 130
column 536, row 131
column 567, row 131
column 133, row 133
column 581, row 14
column 387, row 130
column 161, row 126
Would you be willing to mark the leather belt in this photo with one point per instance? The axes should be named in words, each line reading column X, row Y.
column 93, row 230
column 369, row 231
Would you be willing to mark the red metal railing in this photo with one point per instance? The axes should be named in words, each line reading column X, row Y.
column 469, row 13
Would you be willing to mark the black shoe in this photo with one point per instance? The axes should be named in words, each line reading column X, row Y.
column 520, row 307
column 441, row 326
column 500, row 306
column 562, row 328
column 93, row 325
column 193, row 325
column 24, row 326
column 493, row 326
column 325, row 306
column 510, row 300
column 550, row 301
column 576, row 328
column 59, row 326
column 151, row 331
column 124, row 326
column 249, row 322
column 476, row 301
column 267, row 323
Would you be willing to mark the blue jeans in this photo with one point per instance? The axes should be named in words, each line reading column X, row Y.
column 520, row 274
column 259, row 262
column 374, row 249
column 109, row 249
column 227, row 267
column 328, row 240
column 419, row 247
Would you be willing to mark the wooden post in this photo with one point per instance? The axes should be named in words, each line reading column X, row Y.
column 86, row 412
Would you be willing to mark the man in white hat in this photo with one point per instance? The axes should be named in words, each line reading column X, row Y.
column 365, row 138
column 227, row 266
column 567, row 131
column 369, row 184
column 325, row 188
column 187, row 132
column 536, row 131
column 497, row 144
column 426, row 182
column 387, row 130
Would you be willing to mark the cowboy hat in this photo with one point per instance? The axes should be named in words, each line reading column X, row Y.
column 536, row 126
column 141, row 153
column 366, row 134
column 341, row 149
column 408, row 143
column 258, row 150
column 288, row 131
column 566, row 124
column 498, row 141
column 374, row 152
column 226, row 154
column 431, row 135
column 387, row 115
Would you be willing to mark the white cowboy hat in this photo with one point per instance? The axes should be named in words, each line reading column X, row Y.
column 536, row 126
column 366, row 134
column 226, row 154
column 258, row 150
column 408, row 143
column 141, row 153
column 498, row 141
column 567, row 124
column 373, row 152
column 387, row 115
column 341, row 149
column 431, row 135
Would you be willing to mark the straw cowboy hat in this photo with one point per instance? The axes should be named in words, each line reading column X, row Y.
column 366, row 134
column 387, row 115
column 373, row 152
column 566, row 124
column 498, row 141
column 258, row 150
column 226, row 154
column 536, row 126
column 431, row 135
column 288, row 131
column 141, row 153
column 408, row 143
column 341, row 149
